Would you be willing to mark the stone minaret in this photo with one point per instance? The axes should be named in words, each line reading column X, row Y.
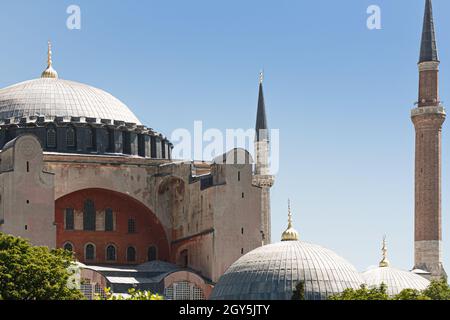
column 262, row 177
column 428, row 118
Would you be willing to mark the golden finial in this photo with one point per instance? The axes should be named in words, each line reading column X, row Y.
column 261, row 76
column 49, row 72
column 289, row 214
column 290, row 234
column 384, row 261
column 49, row 54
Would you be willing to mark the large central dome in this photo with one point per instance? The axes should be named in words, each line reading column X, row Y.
column 61, row 98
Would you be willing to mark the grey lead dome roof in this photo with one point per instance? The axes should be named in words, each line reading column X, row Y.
column 396, row 280
column 271, row 272
column 61, row 98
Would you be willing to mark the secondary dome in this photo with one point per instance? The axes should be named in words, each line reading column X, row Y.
column 396, row 280
column 61, row 98
column 272, row 272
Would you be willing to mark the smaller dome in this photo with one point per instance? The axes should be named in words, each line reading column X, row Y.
column 396, row 280
column 272, row 272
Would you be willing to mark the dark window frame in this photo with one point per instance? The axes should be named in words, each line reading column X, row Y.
column 109, row 220
column 69, row 219
column 131, row 254
column 152, row 253
column 111, row 253
column 71, row 137
column 89, row 216
column 51, row 138
column 66, row 245
column 88, row 255
column 131, row 225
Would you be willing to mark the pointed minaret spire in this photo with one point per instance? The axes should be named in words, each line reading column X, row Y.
column 384, row 261
column 261, row 118
column 49, row 72
column 262, row 177
column 428, row 48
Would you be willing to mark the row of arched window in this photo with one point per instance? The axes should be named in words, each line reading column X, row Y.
column 111, row 252
column 71, row 140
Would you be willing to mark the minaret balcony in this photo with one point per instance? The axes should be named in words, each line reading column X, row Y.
column 263, row 180
column 428, row 110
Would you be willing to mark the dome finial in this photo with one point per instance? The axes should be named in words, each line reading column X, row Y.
column 49, row 54
column 261, row 76
column 49, row 72
column 290, row 234
column 384, row 261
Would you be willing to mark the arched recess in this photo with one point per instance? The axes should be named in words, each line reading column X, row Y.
column 191, row 278
column 149, row 230
column 171, row 195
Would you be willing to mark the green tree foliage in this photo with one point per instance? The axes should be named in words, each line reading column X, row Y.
column 299, row 292
column 34, row 273
column 363, row 293
column 133, row 295
column 410, row 294
column 437, row 290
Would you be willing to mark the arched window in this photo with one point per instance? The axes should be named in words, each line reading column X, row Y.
column 89, row 252
column 68, row 247
column 89, row 216
column 109, row 220
column 131, row 225
column 51, row 137
column 184, row 258
column 131, row 254
column 110, row 140
column 89, row 137
column 111, row 253
column 152, row 254
column 70, row 137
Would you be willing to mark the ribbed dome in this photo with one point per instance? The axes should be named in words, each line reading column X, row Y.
column 271, row 273
column 59, row 98
column 396, row 280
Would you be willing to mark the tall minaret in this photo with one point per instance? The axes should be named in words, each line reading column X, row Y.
column 428, row 118
column 262, row 177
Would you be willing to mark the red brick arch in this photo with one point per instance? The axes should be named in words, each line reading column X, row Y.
column 149, row 230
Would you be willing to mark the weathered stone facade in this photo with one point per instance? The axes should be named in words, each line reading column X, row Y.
column 80, row 172
column 213, row 224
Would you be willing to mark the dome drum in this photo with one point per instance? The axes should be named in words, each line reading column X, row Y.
column 71, row 117
column 88, row 136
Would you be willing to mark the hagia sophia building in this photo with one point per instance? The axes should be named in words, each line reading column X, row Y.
column 79, row 171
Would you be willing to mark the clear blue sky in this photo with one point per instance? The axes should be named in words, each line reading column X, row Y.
column 340, row 94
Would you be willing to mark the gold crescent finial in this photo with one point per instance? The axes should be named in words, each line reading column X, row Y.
column 289, row 214
column 290, row 234
column 49, row 54
column 384, row 261
column 49, row 72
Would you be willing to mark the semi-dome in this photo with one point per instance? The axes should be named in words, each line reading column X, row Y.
column 396, row 280
column 55, row 97
column 273, row 271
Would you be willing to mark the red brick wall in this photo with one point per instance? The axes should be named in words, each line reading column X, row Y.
column 149, row 230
